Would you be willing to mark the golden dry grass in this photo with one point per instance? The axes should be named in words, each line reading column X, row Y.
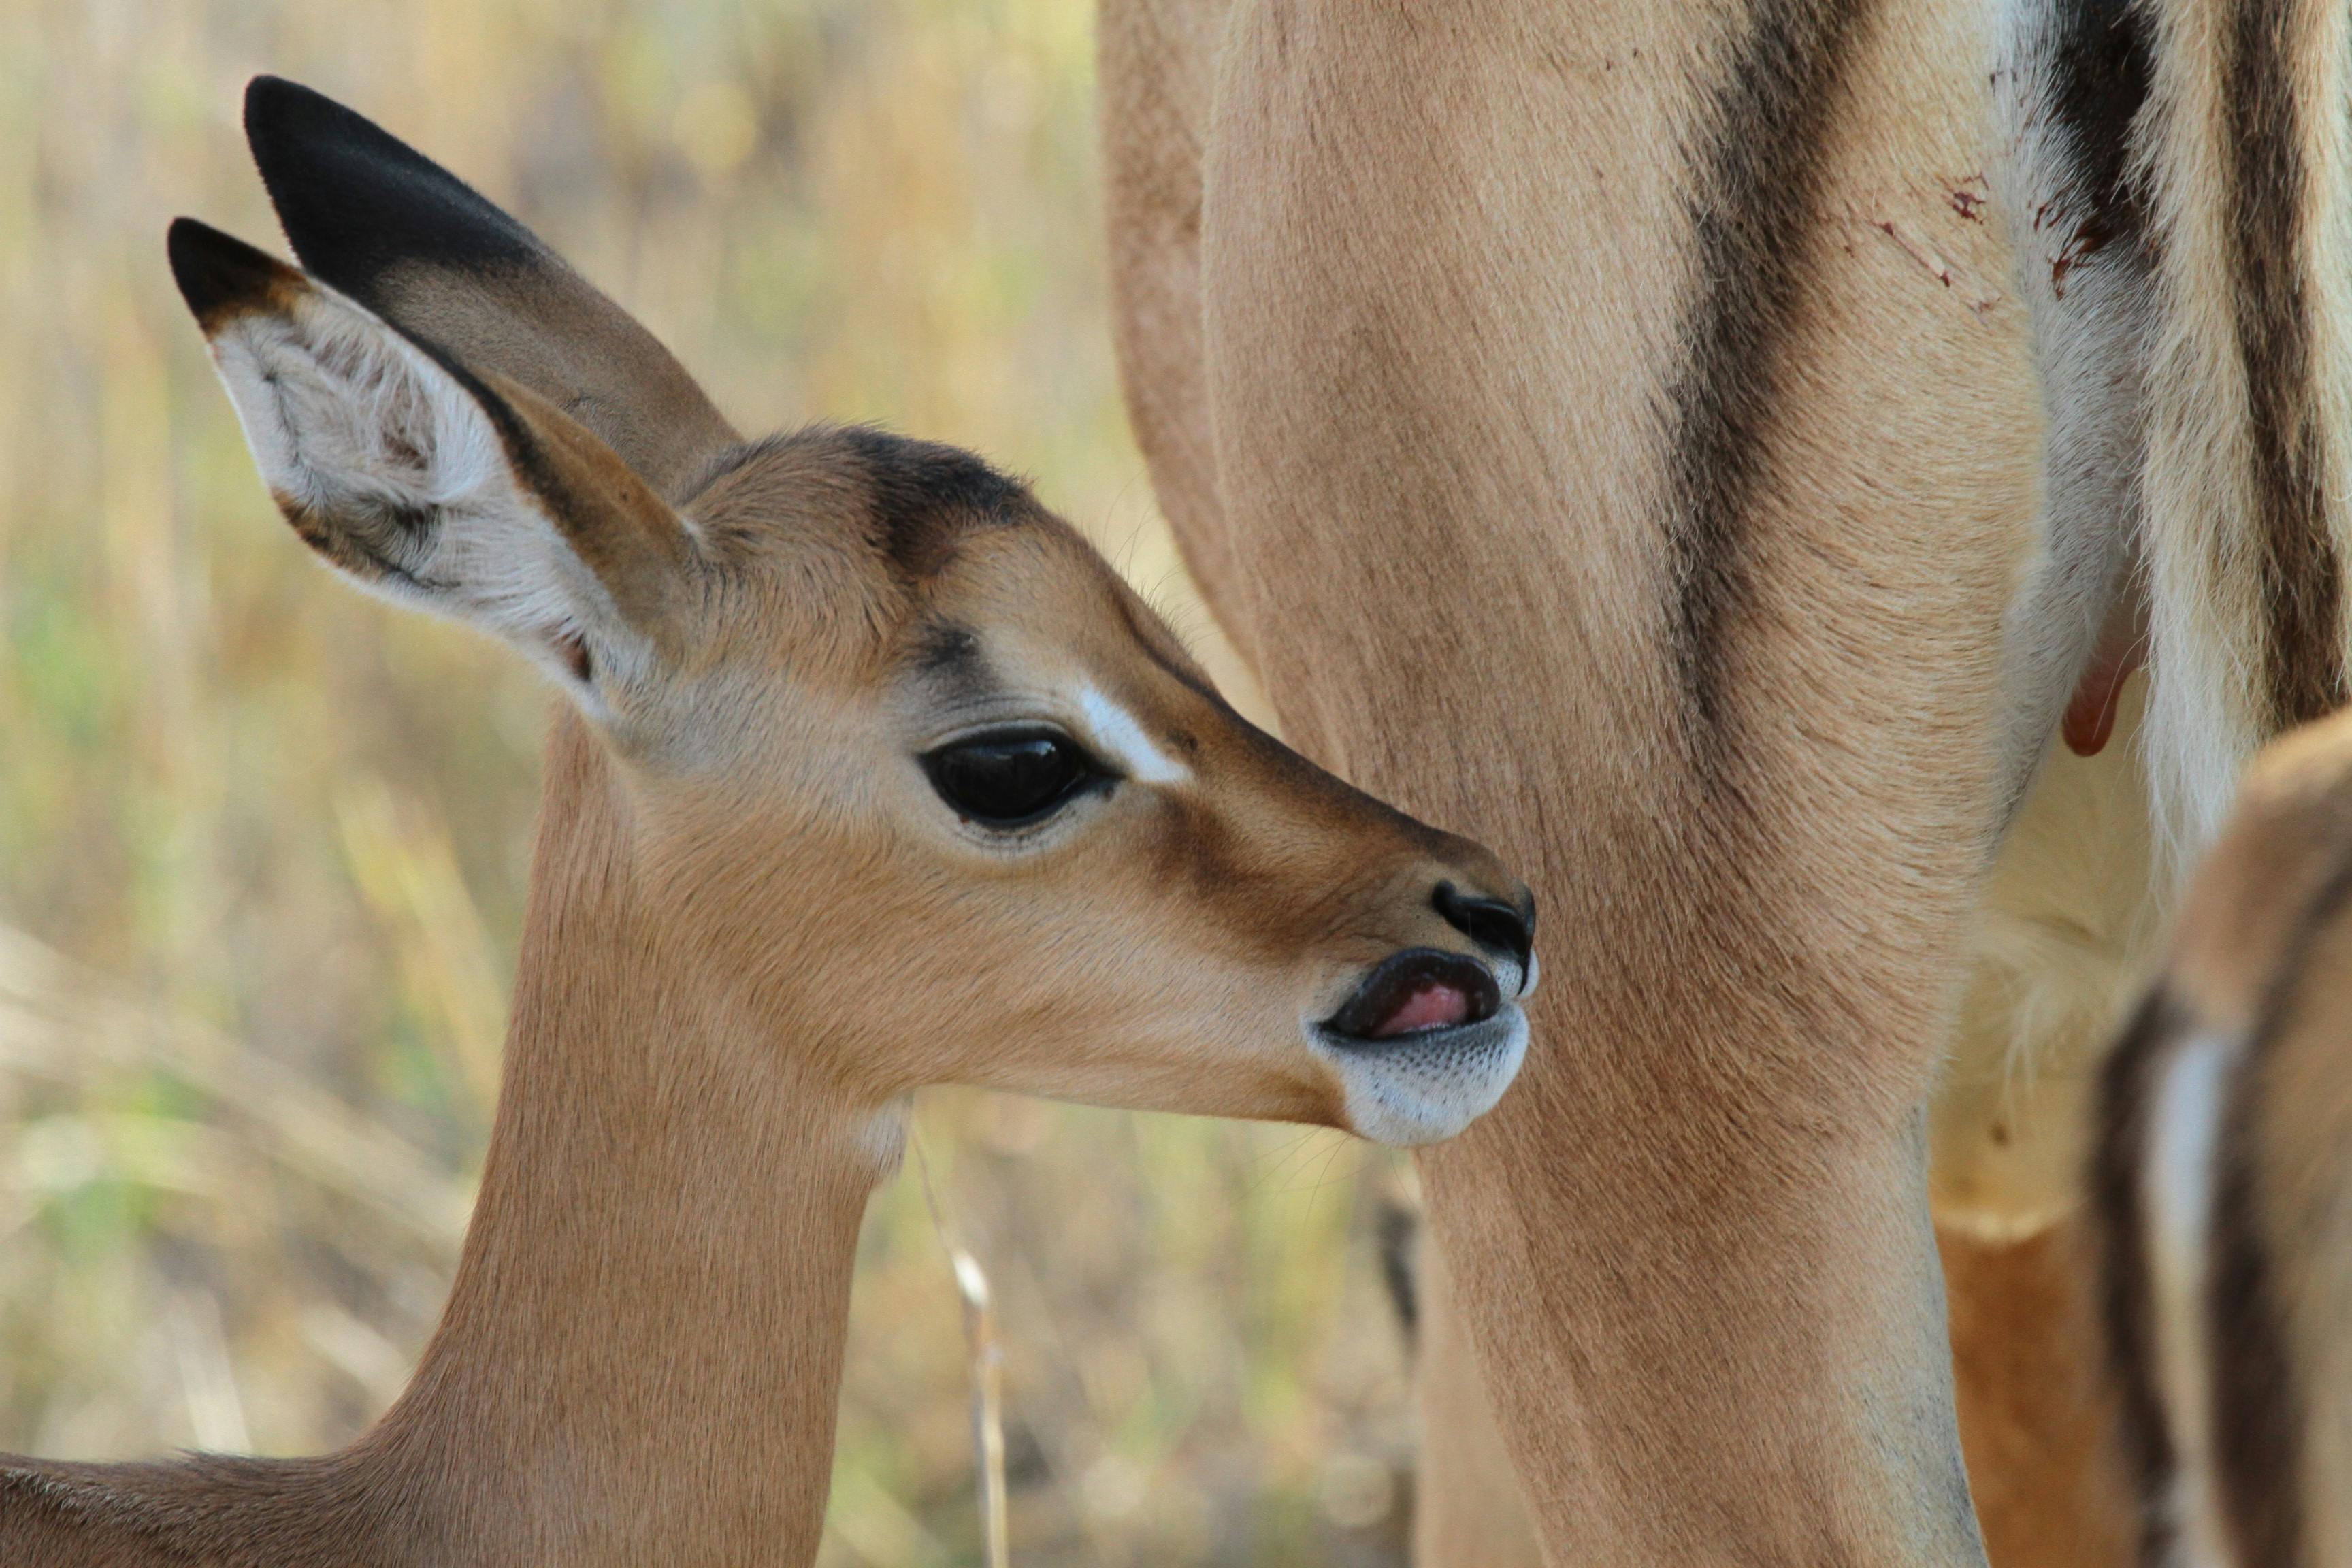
column 262, row 843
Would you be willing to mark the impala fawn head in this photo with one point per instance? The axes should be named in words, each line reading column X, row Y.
column 871, row 775
column 920, row 786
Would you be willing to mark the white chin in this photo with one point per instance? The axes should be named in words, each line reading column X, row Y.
column 1425, row 1088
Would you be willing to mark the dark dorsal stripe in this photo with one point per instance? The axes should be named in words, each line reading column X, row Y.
column 2119, row 1221
column 2267, row 205
column 1756, row 178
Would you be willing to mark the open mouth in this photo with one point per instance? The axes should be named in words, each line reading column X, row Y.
column 1419, row 992
column 1426, row 1046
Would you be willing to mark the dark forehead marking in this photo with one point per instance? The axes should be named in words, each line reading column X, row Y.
column 950, row 655
column 926, row 495
column 945, row 647
column 915, row 499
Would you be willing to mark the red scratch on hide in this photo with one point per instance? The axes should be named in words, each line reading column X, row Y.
column 1979, row 301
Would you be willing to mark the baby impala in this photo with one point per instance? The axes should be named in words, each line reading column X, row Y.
column 869, row 774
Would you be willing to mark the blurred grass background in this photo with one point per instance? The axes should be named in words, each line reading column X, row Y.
column 263, row 842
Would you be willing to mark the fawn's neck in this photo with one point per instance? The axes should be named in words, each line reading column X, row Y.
column 641, row 1356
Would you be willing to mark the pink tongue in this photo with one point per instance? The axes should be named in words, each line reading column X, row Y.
column 1432, row 1004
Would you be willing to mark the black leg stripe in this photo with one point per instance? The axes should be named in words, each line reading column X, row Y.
column 2268, row 203
column 1756, row 178
column 2118, row 1213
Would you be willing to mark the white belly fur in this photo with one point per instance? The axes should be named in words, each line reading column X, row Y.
column 2064, row 938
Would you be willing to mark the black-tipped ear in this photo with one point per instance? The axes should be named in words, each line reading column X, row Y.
column 220, row 275
column 378, row 221
column 357, row 201
column 434, row 486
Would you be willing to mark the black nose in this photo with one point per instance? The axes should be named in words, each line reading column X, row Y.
column 1491, row 923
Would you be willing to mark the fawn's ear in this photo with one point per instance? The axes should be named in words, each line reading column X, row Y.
column 465, row 494
column 374, row 218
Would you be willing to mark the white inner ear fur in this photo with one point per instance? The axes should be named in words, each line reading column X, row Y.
column 1115, row 732
column 400, row 464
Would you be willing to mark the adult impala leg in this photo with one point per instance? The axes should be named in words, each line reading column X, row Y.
column 2037, row 1423
column 1684, row 568
column 2063, row 930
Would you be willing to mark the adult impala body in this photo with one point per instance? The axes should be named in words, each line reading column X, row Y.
column 869, row 774
column 1768, row 425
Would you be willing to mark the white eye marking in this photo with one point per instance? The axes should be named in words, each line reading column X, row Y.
column 1116, row 732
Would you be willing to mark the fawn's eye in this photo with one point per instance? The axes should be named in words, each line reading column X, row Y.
column 1010, row 778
